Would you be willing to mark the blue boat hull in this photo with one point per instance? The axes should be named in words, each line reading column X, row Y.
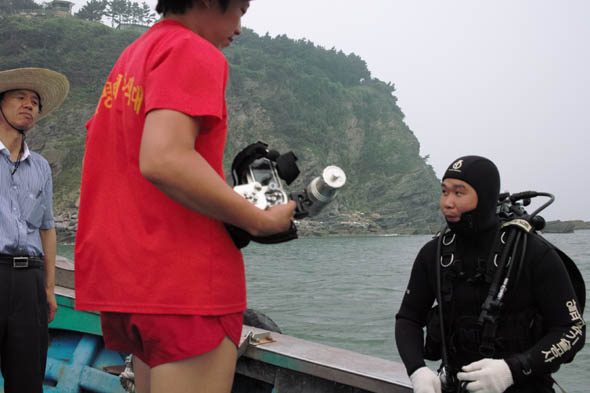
column 77, row 363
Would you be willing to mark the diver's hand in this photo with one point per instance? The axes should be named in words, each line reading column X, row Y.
column 275, row 219
column 424, row 380
column 487, row 376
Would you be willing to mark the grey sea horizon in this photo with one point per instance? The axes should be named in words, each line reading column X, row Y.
column 345, row 291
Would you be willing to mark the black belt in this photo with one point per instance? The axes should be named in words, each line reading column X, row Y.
column 21, row 262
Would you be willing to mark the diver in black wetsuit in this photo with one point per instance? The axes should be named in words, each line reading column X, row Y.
column 539, row 325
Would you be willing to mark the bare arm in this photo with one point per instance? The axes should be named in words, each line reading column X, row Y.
column 168, row 159
column 48, row 242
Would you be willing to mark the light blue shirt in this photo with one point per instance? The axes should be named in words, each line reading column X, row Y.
column 26, row 203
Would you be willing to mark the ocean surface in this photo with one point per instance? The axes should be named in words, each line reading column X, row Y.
column 345, row 291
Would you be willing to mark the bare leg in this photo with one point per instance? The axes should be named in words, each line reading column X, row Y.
column 211, row 372
column 142, row 375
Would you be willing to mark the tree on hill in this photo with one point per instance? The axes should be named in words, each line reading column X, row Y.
column 12, row 6
column 140, row 14
column 118, row 11
column 115, row 10
column 147, row 16
column 93, row 11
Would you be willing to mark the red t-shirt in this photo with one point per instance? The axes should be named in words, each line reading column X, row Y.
column 136, row 249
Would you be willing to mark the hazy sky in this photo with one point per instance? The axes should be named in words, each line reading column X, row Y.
column 506, row 79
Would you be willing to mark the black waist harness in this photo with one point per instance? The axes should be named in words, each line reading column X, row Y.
column 491, row 333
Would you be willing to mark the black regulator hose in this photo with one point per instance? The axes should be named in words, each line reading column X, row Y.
column 543, row 206
column 511, row 262
column 522, row 255
column 532, row 194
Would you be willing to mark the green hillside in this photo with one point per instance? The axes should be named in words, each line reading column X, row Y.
column 322, row 104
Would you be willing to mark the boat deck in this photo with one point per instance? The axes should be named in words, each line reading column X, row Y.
column 268, row 361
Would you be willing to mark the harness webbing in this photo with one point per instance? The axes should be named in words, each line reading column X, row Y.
column 444, row 370
column 492, row 306
column 499, row 270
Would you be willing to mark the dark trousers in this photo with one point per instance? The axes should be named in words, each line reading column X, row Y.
column 23, row 329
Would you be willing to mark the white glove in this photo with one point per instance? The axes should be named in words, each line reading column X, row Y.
column 424, row 380
column 487, row 376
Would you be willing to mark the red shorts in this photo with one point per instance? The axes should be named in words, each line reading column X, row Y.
column 157, row 339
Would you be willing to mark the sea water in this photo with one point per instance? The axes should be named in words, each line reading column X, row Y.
column 345, row 291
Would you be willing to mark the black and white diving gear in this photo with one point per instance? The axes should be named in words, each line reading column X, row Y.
column 258, row 174
column 263, row 186
column 489, row 336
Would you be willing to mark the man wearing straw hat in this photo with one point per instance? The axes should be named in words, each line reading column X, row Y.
column 27, row 232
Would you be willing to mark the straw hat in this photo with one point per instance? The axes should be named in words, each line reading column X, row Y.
column 51, row 86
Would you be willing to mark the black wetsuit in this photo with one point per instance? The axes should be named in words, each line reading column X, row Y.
column 544, row 288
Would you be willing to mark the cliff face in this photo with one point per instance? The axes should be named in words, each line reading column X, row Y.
column 321, row 104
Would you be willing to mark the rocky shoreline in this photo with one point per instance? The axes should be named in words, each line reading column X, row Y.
column 354, row 224
column 66, row 224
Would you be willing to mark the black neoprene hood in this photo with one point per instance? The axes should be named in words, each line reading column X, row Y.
column 481, row 174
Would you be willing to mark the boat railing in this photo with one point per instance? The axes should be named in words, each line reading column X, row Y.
column 287, row 363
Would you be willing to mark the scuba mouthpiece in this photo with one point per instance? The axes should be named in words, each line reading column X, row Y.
column 523, row 195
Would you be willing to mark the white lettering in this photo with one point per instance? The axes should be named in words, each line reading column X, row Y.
column 570, row 338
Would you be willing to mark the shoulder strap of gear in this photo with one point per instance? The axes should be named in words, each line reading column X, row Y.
column 448, row 245
column 520, row 223
column 437, row 266
column 448, row 262
column 495, row 254
column 502, row 268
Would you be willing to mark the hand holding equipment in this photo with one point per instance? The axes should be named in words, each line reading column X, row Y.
column 258, row 173
column 487, row 376
column 424, row 380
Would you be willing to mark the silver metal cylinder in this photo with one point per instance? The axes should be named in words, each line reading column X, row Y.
column 321, row 190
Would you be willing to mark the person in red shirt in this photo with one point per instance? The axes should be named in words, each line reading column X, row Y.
column 152, row 253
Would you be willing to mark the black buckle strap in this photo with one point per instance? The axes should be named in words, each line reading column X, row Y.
column 241, row 238
column 21, row 262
